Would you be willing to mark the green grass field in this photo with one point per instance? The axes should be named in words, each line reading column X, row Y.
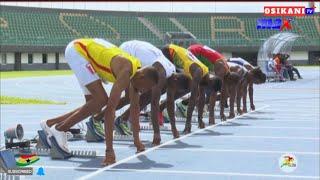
column 18, row 100
column 19, row 74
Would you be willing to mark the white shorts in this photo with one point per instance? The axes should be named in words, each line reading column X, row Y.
column 81, row 68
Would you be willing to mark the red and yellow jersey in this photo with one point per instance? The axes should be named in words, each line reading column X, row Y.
column 182, row 58
column 207, row 55
column 206, row 52
column 100, row 54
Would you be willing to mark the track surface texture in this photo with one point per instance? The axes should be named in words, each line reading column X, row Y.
column 286, row 120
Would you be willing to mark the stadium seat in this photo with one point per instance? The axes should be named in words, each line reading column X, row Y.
column 38, row 27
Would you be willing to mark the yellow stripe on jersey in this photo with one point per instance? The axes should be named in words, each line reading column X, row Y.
column 183, row 58
column 100, row 57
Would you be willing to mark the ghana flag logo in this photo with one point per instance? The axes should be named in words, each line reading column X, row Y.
column 25, row 160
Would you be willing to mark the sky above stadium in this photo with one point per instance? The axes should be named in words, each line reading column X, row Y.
column 218, row 7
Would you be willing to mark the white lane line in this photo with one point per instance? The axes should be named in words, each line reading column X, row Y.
column 217, row 173
column 273, row 127
column 242, row 121
column 268, row 137
column 208, row 150
column 241, row 151
column 99, row 147
column 240, row 136
column 186, row 172
column 259, row 120
column 64, row 167
column 90, row 175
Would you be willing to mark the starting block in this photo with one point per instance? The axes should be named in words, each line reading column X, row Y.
column 42, row 148
column 5, row 176
column 42, row 142
column 76, row 135
column 7, row 160
column 120, row 137
column 183, row 119
column 56, row 152
column 149, row 128
column 91, row 135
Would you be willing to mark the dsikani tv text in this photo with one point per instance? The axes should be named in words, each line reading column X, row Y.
column 288, row 11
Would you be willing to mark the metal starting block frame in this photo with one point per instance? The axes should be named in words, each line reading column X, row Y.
column 54, row 154
column 7, row 161
column 44, row 149
column 149, row 128
column 183, row 119
column 42, row 141
column 120, row 137
column 5, row 176
column 54, row 151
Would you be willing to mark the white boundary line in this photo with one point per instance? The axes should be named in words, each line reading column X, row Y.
column 227, row 125
column 217, row 173
column 90, row 175
column 241, row 151
column 234, row 151
column 213, row 150
column 266, row 120
column 258, row 121
column 268, row 137
column 65, row 167
column 221, row 136
column 188, row 172
column 273, row 127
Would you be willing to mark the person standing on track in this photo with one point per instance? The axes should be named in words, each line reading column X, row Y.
column 278, row 67
column 95, row 61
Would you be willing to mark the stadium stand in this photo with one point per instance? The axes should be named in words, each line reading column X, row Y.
column 56, row 27
column 163, row 24
column 199, row 26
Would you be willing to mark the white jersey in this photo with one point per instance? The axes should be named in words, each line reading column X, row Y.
column 148, row 55
column 239, row 60
column 233, row 64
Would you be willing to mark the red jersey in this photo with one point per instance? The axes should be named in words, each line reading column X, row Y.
column 203, row 52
